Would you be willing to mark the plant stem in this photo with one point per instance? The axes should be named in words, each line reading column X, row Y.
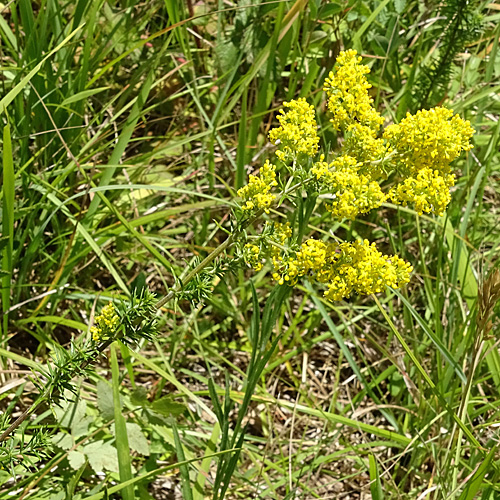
column 204, row 263
column 170, row 295
column 104, row 345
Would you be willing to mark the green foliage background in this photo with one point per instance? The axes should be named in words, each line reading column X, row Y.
column 127, row 128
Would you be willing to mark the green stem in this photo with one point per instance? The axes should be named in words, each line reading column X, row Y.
column 204, row 263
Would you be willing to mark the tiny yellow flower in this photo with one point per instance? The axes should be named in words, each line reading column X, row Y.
column 95, row 331
column 428, row 191
column 252, row 256
column 362, row 143
column 432, row 138
column 424, row 145
column 282, row 232
column 417, row 153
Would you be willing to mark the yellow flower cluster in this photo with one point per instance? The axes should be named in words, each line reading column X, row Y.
column 417, row 153
column 361, row 268
column 281, row 233
column 425, row 144
column 428, row 191
column 348, row 98
column 431, row 138
column 297, row 133
column 353, row 192
column 251, row 254
column 271, row 245
column 345, row 268
column 351, row 179
column 106, row 323
column 257, row 193
column 362, row 143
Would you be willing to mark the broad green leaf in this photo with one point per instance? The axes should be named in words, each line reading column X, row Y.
column 139, row 397
column 167, row 406
column 63, row 440
column 101, row 456
column 136, row 439
column 73, row 416
column 105, row 400
column 76, row 459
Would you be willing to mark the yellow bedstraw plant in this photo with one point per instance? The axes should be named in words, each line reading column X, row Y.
column 408, row 163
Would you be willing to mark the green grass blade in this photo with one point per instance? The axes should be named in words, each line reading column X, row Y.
column 241, row 154
column 84, row 94
column 8, row 193
column 123, row 140
column 56, row 320
column 153, row 473
column 267, row 86
column 375, row 483
column 122, row 445
column 163, row 373
column 187, row 493
column 426, row 377
column 20, row 359
column 90, row 240
column 434, row 338
column 356, row 40
column 20, row 86
column 476, row 481
column 241, row 86
column 391, row 436
column 9, row 35
column 347, row 353
column 198, row 493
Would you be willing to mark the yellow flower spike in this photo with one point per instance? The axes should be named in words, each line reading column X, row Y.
column 424, row 145
column 297, row 134
column 362, row 269
column 282, row 232
column 417, row 152
column 361, row 142
column 106, row 323
column 256, row 194
column 95, row 332
column 347, row 91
